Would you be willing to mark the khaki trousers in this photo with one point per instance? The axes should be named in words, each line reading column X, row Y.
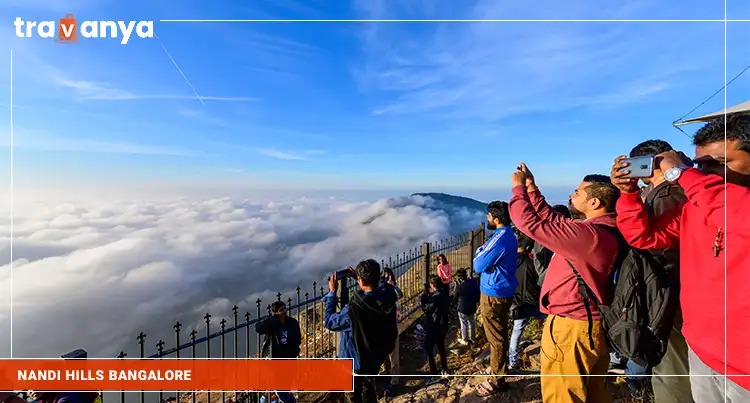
column 566, row 351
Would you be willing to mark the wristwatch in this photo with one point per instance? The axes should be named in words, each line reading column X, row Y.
column 674, row 173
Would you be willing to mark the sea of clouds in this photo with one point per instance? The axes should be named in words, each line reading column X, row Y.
column 93, row 275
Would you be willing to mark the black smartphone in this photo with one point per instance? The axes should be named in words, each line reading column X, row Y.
column 640, row 167
column 344, row 273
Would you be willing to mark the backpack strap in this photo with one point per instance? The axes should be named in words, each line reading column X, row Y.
column 585, row 291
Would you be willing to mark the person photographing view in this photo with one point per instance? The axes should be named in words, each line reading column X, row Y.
column 574, row 341
column 711, row 230
column 374, row 323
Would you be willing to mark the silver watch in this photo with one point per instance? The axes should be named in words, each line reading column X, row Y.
column 674, row 173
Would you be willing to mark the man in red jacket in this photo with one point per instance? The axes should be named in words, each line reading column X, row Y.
column 713, row 236
column 573, row 344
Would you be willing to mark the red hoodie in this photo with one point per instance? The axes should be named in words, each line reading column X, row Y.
column 696, row 225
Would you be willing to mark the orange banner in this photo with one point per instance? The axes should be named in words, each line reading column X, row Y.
column 176, row 374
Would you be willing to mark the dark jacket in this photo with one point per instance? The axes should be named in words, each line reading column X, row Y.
column 339, row 322
column 374, row 323
column 659, row 200
column 713, row 264
column 542, row 257
column 435, row 306
column 467, row 296
column 526, row 299
column 282, row 340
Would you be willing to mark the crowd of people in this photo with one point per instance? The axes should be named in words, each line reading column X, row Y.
column 684, row 229
column 566, row 265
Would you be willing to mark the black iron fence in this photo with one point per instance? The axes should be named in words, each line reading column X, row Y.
column 236, row 337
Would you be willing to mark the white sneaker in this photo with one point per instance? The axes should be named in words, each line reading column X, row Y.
column 463, row 342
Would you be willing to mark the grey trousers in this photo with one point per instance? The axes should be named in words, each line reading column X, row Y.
column 709, row 386
column 673, row 389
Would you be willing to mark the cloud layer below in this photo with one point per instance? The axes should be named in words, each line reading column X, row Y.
column 92, row 276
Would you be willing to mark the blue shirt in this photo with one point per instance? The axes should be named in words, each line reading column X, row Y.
column 496, row 262
column 339, row 322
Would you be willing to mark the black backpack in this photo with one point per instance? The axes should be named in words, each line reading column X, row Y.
column 639, row 319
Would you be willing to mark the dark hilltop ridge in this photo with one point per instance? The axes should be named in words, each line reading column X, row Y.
column 457, row 201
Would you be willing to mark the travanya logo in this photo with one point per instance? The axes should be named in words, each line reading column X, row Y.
column 67, row 30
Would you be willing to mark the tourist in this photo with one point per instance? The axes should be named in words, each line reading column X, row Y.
column 659, row 197
column 496, row 263
column 711, row 230
column 434, row 304
column 573, row 342
column 526, row 299
column 466, row 295
column 372, row 316
column 444, row 270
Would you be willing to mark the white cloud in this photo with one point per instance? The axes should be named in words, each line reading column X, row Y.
column 92, row 275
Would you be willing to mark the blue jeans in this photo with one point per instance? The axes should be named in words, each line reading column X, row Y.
column 632, row 368
column 467, row 326
column 636, row 383
column 515, row 338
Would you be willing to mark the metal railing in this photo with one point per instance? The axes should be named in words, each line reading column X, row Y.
column 411, row 268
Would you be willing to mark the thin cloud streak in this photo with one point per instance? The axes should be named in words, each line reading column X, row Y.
column 303, row 155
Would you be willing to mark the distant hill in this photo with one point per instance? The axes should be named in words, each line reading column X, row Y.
column 457, row 201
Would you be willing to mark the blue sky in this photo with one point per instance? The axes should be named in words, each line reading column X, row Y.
column 425, row 106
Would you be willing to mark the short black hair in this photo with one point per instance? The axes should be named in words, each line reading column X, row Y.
column 435, row 281
column 277, row 306
column 388, row 270
column 601, row 187
column 524, row 242
column 369, row 272
column 499, row 210
column 737, row 128
column 461, row 273
column 562, row 210
column 650, row 147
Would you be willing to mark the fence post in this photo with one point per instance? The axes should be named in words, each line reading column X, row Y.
column 425, row 263
column 472, row 249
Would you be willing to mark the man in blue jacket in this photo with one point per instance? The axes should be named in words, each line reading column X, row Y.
column 496, row 263
column 339, row 322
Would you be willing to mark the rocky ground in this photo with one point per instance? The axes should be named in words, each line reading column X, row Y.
column 465, row 365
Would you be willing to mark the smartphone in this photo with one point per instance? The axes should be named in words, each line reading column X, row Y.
column 640, row 167
column 344, row 273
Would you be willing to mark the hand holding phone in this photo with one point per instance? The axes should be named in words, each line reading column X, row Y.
column 637, row 167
